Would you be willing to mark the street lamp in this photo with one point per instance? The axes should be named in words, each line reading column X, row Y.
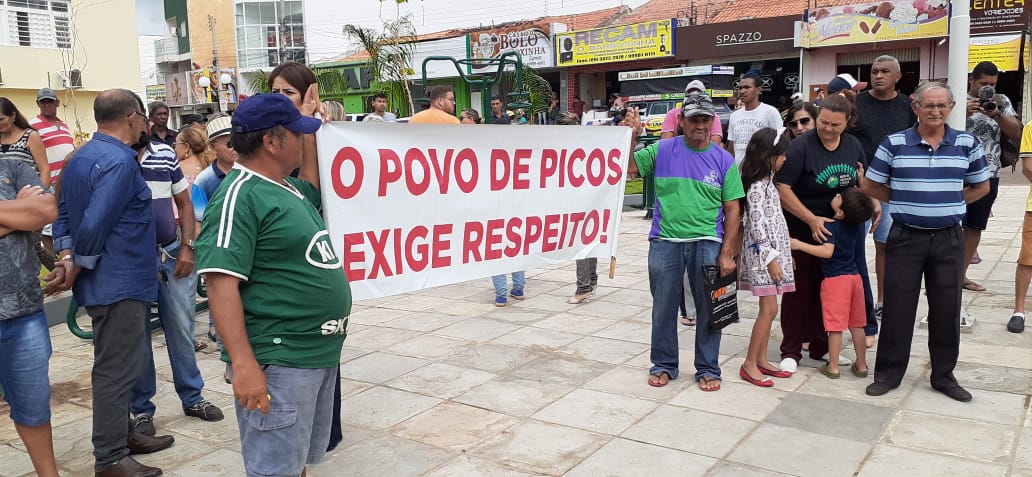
column 204, row 83
column 224, row 97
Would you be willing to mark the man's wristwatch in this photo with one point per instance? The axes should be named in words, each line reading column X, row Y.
column 189, row 243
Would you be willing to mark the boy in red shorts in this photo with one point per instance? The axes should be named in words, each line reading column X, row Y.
column 842, row 292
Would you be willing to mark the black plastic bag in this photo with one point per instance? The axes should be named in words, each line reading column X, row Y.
column 721, row 297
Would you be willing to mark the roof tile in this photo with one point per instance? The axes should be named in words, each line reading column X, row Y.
column 735, row 10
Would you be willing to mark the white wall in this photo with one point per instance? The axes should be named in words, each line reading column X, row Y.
column 148, row 69
column 453, row 47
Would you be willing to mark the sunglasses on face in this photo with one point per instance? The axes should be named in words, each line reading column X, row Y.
column 796, row 122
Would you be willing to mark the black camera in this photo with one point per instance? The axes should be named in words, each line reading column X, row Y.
column 985, row 99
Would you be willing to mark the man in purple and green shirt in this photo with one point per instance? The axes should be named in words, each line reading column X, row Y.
column 697, row 192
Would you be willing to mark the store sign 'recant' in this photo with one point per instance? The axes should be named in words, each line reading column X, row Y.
column 638, row 41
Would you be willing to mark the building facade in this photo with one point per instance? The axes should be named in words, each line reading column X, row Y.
column 200, row 42
column 67, row 45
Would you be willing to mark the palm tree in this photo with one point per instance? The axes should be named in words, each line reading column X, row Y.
column 540, row 91
column 390, row 56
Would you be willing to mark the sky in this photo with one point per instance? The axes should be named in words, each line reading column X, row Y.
column 434, row 15
column 326, row 38
column 150, row 17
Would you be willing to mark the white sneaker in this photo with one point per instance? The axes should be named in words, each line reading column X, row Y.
column 842, row 360
column 788, row 364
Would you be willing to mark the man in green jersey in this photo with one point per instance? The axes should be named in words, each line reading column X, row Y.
column 278, row 289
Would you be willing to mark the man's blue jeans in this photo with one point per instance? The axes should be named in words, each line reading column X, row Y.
column 668, row 263
column 176, row 301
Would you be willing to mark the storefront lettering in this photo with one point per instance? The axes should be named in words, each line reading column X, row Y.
column 1003, row 11
column 540, row 50
column 993, row 4
column 521, row 39
column 836, row 26
column 615, row 34
column 735, row 38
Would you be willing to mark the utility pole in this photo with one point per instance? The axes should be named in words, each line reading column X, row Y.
column 283, row 30
column 215, row 60
column 960, row 33
column 214, row 44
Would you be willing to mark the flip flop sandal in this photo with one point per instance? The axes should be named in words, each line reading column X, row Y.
column 688, row 321
column 706, row 381
column 658, row 383
column 827, row 372
column 972, row 286
column 856, row 371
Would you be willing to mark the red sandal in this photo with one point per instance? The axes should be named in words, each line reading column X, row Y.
column 777, row 374
column 763, row 383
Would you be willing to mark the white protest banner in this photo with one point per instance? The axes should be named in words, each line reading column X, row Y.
column 416, row 206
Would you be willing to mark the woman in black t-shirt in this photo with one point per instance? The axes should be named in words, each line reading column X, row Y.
column 821, row 163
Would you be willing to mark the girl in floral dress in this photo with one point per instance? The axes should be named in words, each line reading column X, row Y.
column 766, row 267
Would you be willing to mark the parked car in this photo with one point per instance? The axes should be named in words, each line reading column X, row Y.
column 654, row 112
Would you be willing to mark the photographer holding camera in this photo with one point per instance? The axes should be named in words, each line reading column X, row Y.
column 988, row 116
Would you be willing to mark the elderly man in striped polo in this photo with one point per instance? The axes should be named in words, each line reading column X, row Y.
column 928, row 174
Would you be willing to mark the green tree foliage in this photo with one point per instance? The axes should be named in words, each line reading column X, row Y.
column 390, row 57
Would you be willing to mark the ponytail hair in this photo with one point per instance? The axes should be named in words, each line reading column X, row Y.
column 197, row 141
column 842, row 102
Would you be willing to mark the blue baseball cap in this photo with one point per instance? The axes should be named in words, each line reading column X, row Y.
column 266, row 111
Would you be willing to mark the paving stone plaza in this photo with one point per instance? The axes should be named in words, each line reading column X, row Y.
column 443, row 383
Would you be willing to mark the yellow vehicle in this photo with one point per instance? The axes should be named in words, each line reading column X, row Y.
column 654, row 112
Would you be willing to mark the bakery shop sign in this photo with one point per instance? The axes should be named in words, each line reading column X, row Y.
column 533, row 43
column 874, row 22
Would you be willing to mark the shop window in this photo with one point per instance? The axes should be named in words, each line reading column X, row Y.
column 268, row 34
column 35, row 23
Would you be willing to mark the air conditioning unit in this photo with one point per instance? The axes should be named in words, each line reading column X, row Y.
column 71, row 79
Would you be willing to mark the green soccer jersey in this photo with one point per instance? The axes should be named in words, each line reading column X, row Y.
column 270, row 235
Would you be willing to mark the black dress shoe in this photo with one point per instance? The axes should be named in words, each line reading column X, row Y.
column 141, row 444
column 878, row 389
column 128, row 467
column 955, row 392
